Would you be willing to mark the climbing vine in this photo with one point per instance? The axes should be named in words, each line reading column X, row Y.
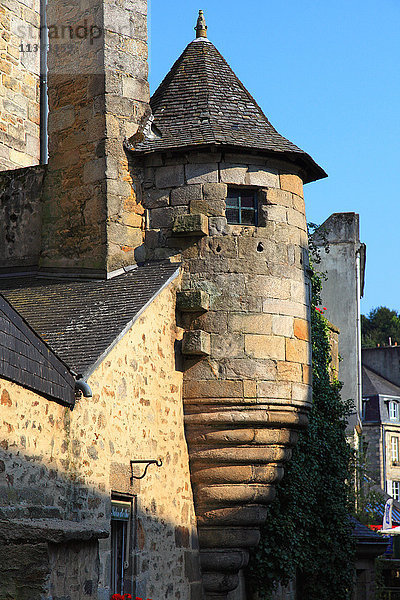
column 307, row 536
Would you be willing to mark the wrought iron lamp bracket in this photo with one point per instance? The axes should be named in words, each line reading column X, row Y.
column 143, row 462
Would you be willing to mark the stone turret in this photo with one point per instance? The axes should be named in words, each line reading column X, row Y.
column 223, row 193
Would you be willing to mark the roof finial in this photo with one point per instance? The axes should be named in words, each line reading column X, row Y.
column 201, row 27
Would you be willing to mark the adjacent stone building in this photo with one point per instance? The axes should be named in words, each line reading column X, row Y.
column 154, row 325
column 342, row 261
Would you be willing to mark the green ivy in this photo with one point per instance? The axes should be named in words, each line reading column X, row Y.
column 308, row 535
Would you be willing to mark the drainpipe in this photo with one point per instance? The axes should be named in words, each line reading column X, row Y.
column 384, row 456
column 84, row 387
column 358, row 284
column 44, row 103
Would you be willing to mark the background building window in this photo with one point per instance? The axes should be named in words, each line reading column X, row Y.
column 396, row 489
column 122, row 508
column 395, row 449
column 393, row 411
column 241, row 207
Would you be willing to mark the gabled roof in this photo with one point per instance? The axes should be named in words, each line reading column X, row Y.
column 82, row 320
column 27, row 360
column 201, row 102
column 374, row 384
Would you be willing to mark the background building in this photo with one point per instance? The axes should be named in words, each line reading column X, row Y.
column 381, row 416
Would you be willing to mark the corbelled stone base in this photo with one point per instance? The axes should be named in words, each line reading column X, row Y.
column 236, row 457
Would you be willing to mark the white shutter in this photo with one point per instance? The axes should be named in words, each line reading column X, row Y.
column 389, row 487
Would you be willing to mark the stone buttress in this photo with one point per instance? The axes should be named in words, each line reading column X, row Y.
column 245, row 296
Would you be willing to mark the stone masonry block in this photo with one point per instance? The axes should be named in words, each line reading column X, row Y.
column 290, row 372
column 298, row 203
column 191, row 225
column 213, row 389
column 249, row 368
column 282, row 325
column 193, row 301
column 219, row 246
column 172, row 176
column 165, row 217
column 265, row 346
column 297, row 351
column 307, row 374
column 299, row 292
column 202, row 173
column 213, row 322
column 196, row 343
column 274, row 389
column 215, row 191
column 218, row 226
column 301, row 393
column 267, row 251
column 209, row 207
column 275, row 213
column 262, row 177
column 227, row 345
column 291, row 183
column 233, row 173
column 196, row 369
column 268, row 287
column 302, row 329
column 279, row 197
column 156, row 198
column 249, row 389
column 186, row 194
column 284, row 307
column 250, row 323
column 296, row 218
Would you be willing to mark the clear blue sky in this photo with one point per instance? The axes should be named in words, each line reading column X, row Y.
column 327, row 75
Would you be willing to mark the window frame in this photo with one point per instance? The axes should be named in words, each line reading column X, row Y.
column 396, row 490
column 240, row 192
column 393, row 411
column 394, row 447
column 122, row 543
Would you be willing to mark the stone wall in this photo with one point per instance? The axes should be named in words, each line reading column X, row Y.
column 24, row 570
column 19, row 83
column 58, row 467
column 20, row 217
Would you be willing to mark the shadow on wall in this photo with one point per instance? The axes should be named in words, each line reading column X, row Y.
column 51, row 548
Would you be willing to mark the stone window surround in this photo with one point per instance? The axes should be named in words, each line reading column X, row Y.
column 394, row 445
column 393, row 409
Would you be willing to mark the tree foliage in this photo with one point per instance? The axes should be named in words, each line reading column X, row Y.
column 308, row 532
column 380, row 326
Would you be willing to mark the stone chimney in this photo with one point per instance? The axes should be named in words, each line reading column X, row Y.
column 98, row 94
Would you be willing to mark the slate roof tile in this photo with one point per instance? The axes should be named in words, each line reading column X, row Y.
column 201, row 101
column 81, row 319
column 374, row 384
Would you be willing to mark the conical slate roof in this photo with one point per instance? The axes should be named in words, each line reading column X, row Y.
column 202, row 102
